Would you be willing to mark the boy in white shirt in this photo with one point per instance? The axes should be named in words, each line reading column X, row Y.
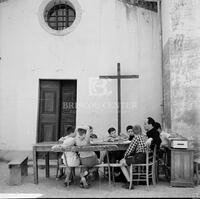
column 87, row 158
column 71, row 159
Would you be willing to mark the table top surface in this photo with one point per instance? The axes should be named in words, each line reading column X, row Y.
column 95, row 145
column 98, row 141
column 92, row 143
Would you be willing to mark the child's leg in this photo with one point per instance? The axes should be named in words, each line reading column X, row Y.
column 73, row 173
column 88, row 162
column 61, row 170
column 125, row 170
column 102, row 156
column 83, row 173
column 93, row 172
column 68, row 176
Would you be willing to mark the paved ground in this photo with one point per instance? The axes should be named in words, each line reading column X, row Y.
column 50, row 188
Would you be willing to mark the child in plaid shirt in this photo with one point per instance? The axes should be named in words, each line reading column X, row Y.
column 136, row 152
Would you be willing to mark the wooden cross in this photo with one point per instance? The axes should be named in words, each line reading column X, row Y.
column 118, row 77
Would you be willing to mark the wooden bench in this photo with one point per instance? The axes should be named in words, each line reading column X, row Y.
column 18, row 167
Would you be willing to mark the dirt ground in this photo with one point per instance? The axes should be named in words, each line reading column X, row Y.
column 51, row 188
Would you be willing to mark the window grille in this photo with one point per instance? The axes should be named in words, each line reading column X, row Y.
column 60, row 16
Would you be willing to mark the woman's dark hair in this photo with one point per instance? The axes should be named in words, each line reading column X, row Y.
column 111, row 129
column 151, row 121
column 129, row 127
column 157, row 125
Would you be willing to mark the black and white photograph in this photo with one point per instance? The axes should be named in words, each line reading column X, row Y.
column 99, row 99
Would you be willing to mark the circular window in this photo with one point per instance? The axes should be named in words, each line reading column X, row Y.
column 59, row 17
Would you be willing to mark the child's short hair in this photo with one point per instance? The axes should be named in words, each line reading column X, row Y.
column 81, row 131
column 111, row 129
column 129, row 127
column 137, row 129
column 93, row 136
column 69, row 130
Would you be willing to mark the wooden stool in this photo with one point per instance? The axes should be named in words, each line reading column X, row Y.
column 18, row 168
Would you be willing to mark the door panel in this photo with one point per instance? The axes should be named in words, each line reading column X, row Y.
column 49, row 110
column 57, row 108
column 47, row 131
column 49, row 102
column 68, row 105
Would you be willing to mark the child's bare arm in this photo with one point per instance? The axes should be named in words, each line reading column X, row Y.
column 87, row 137
column 61, row 139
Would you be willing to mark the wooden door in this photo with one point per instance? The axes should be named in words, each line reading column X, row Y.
column 68, row 105
column 57, row 108
column 49, row 106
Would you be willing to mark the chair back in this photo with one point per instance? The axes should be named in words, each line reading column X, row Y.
column 146, row 170
column 151, row 156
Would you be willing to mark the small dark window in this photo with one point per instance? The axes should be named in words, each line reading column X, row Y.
column 60, row 16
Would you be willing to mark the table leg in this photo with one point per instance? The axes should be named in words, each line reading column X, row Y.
column 35, row 166
column 197, row 172
column 108, row 161
column 47, row 164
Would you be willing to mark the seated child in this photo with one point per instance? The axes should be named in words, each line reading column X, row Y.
column 92, row 137
column 61, row 140
column 87, row 158
column 114, row 156
column 135, row 153
column 92, row 134
column 130, row 132
column 112, row 135
column 71, row 159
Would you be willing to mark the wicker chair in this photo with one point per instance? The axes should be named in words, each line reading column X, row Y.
column 145, row 171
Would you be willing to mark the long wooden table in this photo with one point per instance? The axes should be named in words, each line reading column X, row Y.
column 46, row 147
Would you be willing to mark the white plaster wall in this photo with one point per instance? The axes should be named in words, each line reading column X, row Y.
column 109, row 32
